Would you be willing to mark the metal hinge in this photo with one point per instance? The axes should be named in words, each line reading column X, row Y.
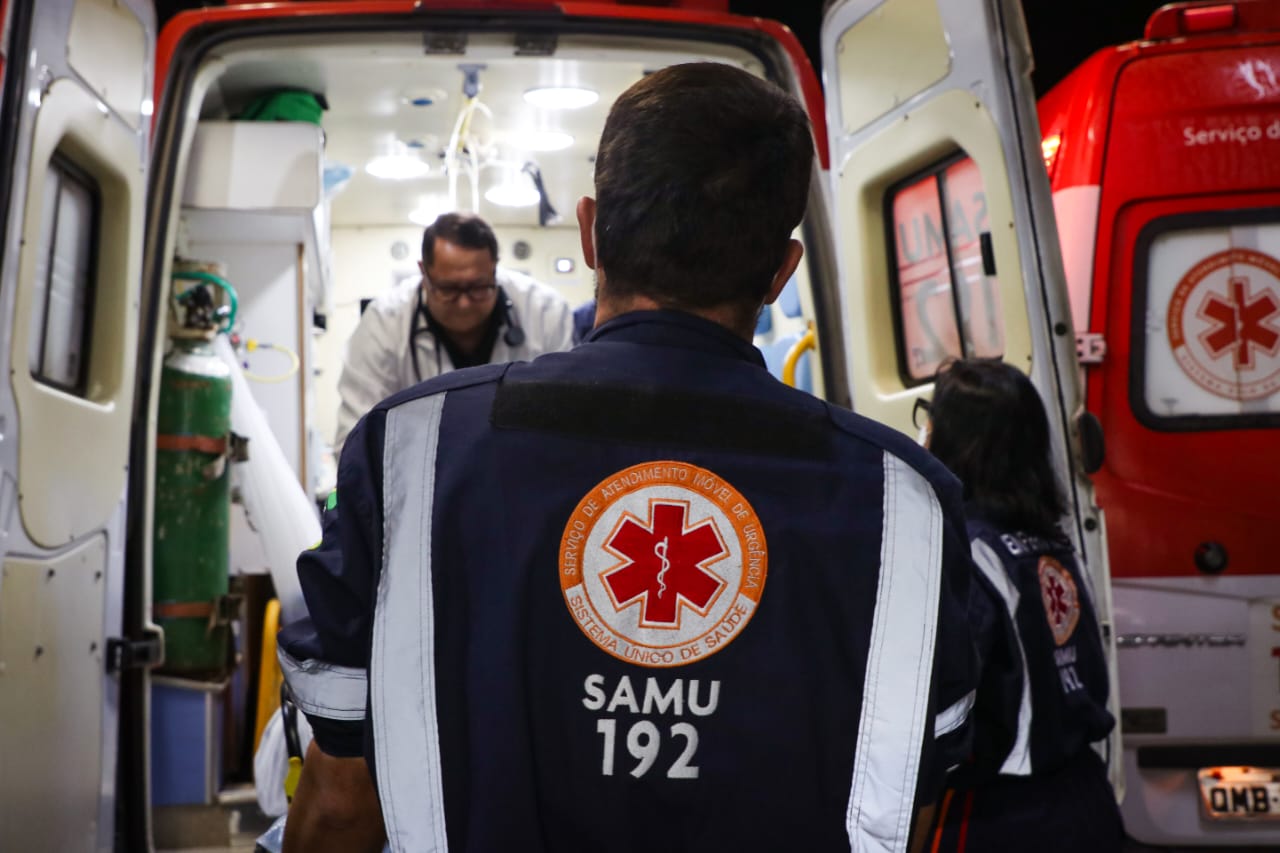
column 238, row 447
column 536, row 44
column 444, row 43
column 125, row 654
column 1091, row 347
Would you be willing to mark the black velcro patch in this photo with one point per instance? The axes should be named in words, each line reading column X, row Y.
column 648, row 415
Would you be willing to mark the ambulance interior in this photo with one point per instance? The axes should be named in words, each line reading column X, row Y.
column 306, row 222
column 400, row 141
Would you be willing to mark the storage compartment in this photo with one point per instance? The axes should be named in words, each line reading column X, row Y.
column 186, row 741
column 248, row 165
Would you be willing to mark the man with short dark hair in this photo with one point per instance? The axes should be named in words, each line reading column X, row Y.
column 640, row 595
column 465, row 311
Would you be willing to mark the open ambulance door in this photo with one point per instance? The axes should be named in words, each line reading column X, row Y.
column 73, row 152
column 945, row 239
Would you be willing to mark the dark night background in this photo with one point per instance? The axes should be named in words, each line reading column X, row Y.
column 1063, row 32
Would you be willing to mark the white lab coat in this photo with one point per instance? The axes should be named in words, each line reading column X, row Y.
column 378, row 362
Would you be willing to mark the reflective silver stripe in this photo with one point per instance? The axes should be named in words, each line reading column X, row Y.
column 405, row 729
column 953, row 718
column 324, row 689
column 1018, row 761
column 895, row 695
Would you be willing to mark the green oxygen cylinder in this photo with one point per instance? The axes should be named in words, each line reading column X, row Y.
column 190, row 545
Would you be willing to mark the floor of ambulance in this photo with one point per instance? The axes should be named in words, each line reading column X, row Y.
column 233, row 826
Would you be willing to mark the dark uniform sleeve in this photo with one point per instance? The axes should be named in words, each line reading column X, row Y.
column 325, row 657
column 995, row 710
column 955, row 663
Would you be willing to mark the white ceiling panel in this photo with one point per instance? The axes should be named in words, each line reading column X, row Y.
column 372, row 80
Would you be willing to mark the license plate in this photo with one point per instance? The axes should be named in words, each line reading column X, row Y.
column 1240, row 793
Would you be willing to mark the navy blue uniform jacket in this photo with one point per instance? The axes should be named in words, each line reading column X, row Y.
column 814, row 712
column 1060, row 698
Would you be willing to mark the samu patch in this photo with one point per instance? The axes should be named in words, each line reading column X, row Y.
column 662, row 564
column 1061, row 600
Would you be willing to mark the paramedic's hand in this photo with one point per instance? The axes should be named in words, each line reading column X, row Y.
column 922, row 830
column 335, row 809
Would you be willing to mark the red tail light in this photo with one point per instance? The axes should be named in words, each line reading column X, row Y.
column 1049, row 150
column 1203, row 19
column 1184, row 19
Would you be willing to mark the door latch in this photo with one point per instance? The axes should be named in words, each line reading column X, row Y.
column 125, row 654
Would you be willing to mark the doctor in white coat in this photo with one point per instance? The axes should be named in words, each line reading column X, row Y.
column 466, row 311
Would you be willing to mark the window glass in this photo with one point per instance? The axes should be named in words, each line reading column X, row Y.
column 979, row 298
column 64, row 274
column 948, row 307
column 1211, row 325
column 929, row 332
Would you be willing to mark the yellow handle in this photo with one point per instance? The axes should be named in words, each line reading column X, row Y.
column 807, row 341
column 291, row 778
column 269, row 675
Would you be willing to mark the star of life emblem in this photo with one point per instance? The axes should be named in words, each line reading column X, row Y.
column 1061, row 599
column 1224, row 324
column 662, row 564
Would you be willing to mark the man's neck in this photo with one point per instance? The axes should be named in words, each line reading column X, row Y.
column 729, row 316
column 469, row 342
column 471, row 348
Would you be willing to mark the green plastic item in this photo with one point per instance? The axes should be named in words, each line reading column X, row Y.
column 287, row 105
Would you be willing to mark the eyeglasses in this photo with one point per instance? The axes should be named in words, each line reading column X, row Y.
column 921, row 405
column 454, row 292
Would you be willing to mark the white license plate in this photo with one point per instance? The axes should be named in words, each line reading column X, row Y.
column 1240, row 793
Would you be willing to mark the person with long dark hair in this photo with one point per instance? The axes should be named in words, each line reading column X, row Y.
column 1038, row 784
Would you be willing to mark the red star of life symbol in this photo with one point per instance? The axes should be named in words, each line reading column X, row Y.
column 666, row 564
column 1057, row 601
column 1242, row 323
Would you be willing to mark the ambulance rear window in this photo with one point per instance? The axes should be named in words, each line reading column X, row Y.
column 946, row 304
column 1207, row 321
column 65, row 270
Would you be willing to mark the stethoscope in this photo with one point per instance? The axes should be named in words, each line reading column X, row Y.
column 513, row 337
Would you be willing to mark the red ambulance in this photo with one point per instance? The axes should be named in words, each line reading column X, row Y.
column 1164, row 160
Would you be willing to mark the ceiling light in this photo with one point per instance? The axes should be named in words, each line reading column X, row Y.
column 561, row 97
column 424, row 97
column 542, row 140
column 397, row 167
column 512, row 194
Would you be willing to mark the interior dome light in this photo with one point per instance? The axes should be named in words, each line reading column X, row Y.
column 397, row 167
column 423, row 97
column 512, row 194
column 561, row 97
column 543, row 140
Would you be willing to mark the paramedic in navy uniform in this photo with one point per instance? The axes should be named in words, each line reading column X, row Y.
column 1048, row 790
column 640, row 595
column 466, row 310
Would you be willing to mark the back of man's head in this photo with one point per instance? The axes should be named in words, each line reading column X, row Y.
column 461, row 229
column 702, row 174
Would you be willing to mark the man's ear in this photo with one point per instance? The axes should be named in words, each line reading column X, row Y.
column 587, row 229
column 422, row 268
column 790, row 260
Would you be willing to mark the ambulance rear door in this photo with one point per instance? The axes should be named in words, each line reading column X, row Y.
column 73, row 144
column 944, row 231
